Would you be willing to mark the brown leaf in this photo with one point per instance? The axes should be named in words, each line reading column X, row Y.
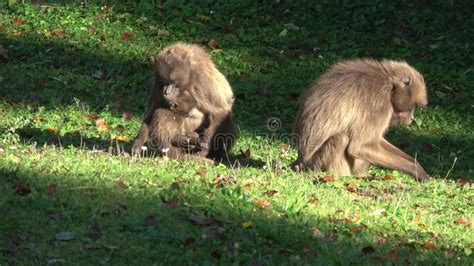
column 21, row 188
column 293, row 96
column 120, row 185
column 428, row 245
column 416, row 218
column 127, row 115
column 190, row 242
column 352, row 186
column 426, row 147
column 243, row 78
column 172, row 203
column 150, row 220
column 95, row 230
column 317, row 234
column 270, row 192
column 388, row 177
column 100, row 15
column 52, row 188
column 126, row 36
column 3, row 52
column 241, row 96
column 92, row 116
column 245, row 154
column 314, row 200
column 462, row 182
column 18, row 21
column 355, row 229
column 221, row 180
column 213, row 44
column 462, row 220
column 368, row 250
column 392, row 256
column 202, row 172
column 331, row 236
column 262, row 203
column 58, row 32
column 327, row 178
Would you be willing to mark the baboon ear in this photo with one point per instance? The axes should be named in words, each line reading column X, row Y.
column 406, row 81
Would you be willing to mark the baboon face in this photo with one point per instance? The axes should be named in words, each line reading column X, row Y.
column 409, row 89
column 402, row 118
column 179, row 100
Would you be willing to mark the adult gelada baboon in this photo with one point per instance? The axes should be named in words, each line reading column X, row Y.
column 344, row 115
column 186, row 75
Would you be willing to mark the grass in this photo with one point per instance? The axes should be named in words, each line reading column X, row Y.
column 71, row 76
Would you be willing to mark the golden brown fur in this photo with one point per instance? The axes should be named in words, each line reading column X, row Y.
column 344, row 115
column 189, row 69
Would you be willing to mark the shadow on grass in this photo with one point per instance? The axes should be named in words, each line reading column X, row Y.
column 114, row 223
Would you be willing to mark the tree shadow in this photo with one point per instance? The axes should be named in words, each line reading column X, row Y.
column 172, row 225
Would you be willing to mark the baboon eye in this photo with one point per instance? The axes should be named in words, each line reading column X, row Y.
column 406, row 81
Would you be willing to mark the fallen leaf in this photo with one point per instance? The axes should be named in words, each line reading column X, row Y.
column 202, row 220
column 127, row 115
column 428, row 245
column 126, row 36
column 317, row 234
column 66, row 236
column 331, row 236
column 355, row 229
column 52, row 188
column 18, row 21
column 58, row 32
column 221, row 180
column 172, row 203
column 95, row 230
column 368, row 250
column 92, row 116
column 327, row 178
column 213, row 44
column 3, row 52
column 150, row 220
column 216, row 254
column 202, row 172
column 245, row 154
column 314, row 200
column 120, row 185
column 416, row 218
column 464, row 221
column 270, row 192
column 426, row 147
column 293, row 96
column 392, row 256
column 462, row 182
column 388, row 177
column 352, row 186
column 190, row 242
column 262, row 203
column 52, row 130
column 21, row 188
column 246, row 224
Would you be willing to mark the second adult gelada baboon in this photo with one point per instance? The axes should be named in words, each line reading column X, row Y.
column 344, row 115
column 199, row 97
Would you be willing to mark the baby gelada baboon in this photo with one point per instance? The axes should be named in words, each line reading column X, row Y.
column 344, row 115
column 187, row 73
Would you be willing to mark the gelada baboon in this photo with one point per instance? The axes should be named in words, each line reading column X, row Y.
column 199, row 96
column 344, row 115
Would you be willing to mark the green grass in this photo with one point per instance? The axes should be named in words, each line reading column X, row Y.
column 67, row 66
